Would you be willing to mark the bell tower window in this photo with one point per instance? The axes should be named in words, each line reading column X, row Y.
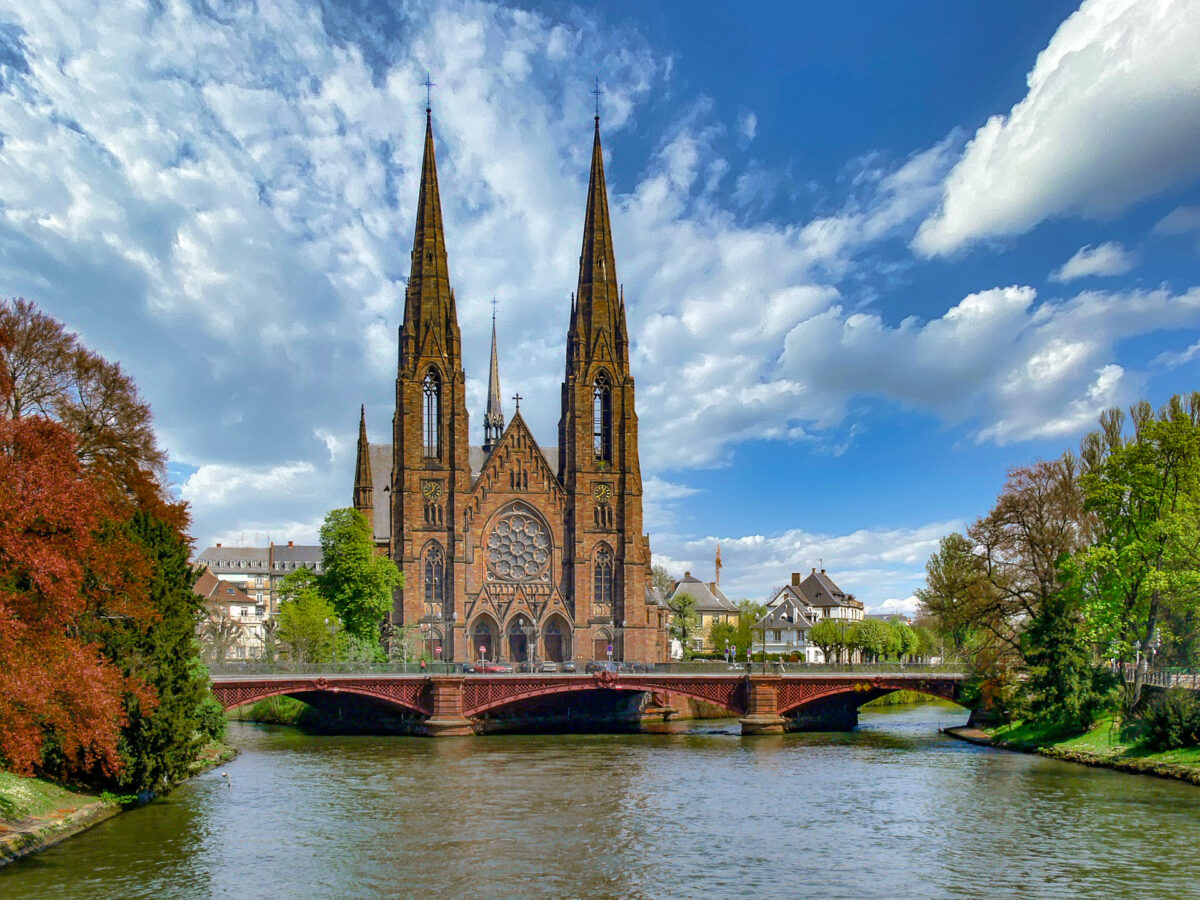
column 603, row 586
column 435, row 581
column 432, row 389
column 602, row 417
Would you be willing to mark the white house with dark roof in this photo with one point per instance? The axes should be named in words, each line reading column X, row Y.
column 784, row 630
column 819, row 598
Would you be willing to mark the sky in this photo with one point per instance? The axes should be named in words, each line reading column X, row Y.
column 875, row 255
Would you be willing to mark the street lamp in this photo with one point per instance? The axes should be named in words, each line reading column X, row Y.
column 530, row 632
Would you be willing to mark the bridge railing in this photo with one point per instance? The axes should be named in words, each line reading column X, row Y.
column 253, row 668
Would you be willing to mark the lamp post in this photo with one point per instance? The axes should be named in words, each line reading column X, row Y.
column 530, row 632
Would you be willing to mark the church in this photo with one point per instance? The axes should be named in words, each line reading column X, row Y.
column 511, row 551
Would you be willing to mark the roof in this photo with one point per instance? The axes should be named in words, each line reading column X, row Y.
column 708, row 595
column 788, row 614
column 257, row 559
column 214, row 590
column 818, row 589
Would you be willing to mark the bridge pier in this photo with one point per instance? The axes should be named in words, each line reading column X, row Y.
column 447, row 719
column 762, row 705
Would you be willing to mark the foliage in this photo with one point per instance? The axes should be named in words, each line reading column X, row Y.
column 1144, row 489
column 305, row 617
column 162, row 740
column 721, row 634
column 685, row 622
column 1172, row 720
column 211, row 719
column 749, row 612
column 60, row 697
column 357, row 581
column 830, row 637
column 907, row 644
column 874, row 638
column 662, row 580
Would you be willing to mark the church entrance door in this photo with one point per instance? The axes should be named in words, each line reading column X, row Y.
column 481, row 636
column 556, row 648
column 518, row 644
column 600, row 649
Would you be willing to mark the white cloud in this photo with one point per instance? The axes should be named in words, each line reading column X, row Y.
column 747, row 127
column 907, row 606
column 1175, row 359
column 1110, row 258
column 872, row 564
column 1112, row 116
column 1180, row 220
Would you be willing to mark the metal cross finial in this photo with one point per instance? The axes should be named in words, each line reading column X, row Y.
column 517, row 400
column 597, row 92
column 494, row 302
column 428, row 85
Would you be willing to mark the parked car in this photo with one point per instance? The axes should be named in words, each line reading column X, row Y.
column 548, row 666
column 569, row 666
column 492, row 668
column 604, row 665
column 469, row 668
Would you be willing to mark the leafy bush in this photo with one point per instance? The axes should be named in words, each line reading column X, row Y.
column 1172, row 720
column 212, row 718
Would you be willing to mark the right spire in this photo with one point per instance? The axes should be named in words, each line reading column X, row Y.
column 598, row 298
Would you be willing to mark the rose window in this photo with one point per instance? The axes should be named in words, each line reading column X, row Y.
column 519, row 549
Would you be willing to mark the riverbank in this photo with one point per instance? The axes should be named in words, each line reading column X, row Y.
column 1101, row 746
column 36, row 813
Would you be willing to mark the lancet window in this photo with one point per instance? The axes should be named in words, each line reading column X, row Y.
column 435, row 580
column 432, row 388
column 602, row 589
column 602, row 417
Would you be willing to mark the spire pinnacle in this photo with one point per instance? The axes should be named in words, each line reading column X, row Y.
column 364, row 485
column 493, row 419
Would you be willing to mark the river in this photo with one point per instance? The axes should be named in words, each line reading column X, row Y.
column 892, row 810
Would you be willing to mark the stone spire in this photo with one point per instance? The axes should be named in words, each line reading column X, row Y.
column 493, row 419
column 718, row 567
column 598, row 306
column 429, row 301
column 364, row 486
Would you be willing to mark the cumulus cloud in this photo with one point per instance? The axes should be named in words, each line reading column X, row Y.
column 906, row 606
column 747, row 128
column 872, row 564
column 1112, row 116
column 1110, row 258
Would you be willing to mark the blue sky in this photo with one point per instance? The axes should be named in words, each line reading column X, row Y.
column 874, row 254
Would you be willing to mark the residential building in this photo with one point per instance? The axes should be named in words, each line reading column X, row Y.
column 712, row 606
column 784, row 630
column 234, row 625
column 258, row 570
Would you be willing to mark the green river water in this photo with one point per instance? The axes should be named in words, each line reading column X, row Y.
column 894, row 809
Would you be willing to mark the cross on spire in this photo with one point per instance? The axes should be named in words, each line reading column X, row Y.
column 494, row 302
column 597, row 92
column 428, row 85
column 517, row 399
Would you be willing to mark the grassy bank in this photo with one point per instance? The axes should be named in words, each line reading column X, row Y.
column 36, row 813
column 1102, row 745
column 272, row 711
column 901, row 698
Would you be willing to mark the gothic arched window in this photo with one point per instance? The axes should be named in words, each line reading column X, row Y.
column 432, row 388
column 602, row 417
column 435, row 580
column 602, row 588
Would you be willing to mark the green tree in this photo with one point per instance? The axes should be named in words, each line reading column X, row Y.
column 908, row 644
column 685, row 622
column 662, row 580
column 829, row 637
column 160, row 742
column 305, row 619
column 874, row 638
column 1144, row 488
column 357, row 581
column 722, row 634
column 749, row 612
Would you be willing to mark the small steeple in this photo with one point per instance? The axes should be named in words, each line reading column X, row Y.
column 364, row 486
column 493, row 419
column 718, row 563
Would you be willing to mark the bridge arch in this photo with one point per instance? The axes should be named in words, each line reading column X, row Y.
column 793, row 696
column 409, row 696
column 484, row 697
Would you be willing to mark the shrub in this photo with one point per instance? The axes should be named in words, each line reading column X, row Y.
column 1172, row 720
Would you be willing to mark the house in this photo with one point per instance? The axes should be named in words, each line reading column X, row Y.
column 784, row 630
column 234, row 625
column 258, row 570
column 820, row 598
column 712, row 606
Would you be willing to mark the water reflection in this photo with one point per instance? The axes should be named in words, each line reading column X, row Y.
column 891, row 810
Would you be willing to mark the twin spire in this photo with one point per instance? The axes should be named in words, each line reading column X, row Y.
column 597, row 305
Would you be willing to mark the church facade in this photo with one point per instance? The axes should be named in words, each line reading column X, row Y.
column 511, row 551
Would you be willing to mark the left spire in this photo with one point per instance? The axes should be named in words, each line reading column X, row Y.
column 364, row 484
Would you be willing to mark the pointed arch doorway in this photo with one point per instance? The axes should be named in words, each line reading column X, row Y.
column 556, row 641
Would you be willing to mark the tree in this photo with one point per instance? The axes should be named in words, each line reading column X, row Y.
column 908, row 644
column 830, row 638
column 219, row 635
column 662, row 580
column 163, row 738
column 685, row 623
column 749, row 612
column 874, row 638
column 1144, row 489
column 305, row 617
column 722, row 634
column 357, row 582
column 61, row 699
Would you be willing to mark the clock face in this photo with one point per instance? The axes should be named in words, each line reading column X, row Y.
column 431, row 489
column 602, row 492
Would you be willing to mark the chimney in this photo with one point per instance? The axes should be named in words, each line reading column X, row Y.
column 290, row 544
column 822, row 570
column 686, row 575
column 796, row 579
column 218, row 543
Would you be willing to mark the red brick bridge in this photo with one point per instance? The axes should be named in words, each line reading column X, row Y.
column 443, row 705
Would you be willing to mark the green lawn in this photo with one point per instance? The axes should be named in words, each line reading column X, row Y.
column 23, row 797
